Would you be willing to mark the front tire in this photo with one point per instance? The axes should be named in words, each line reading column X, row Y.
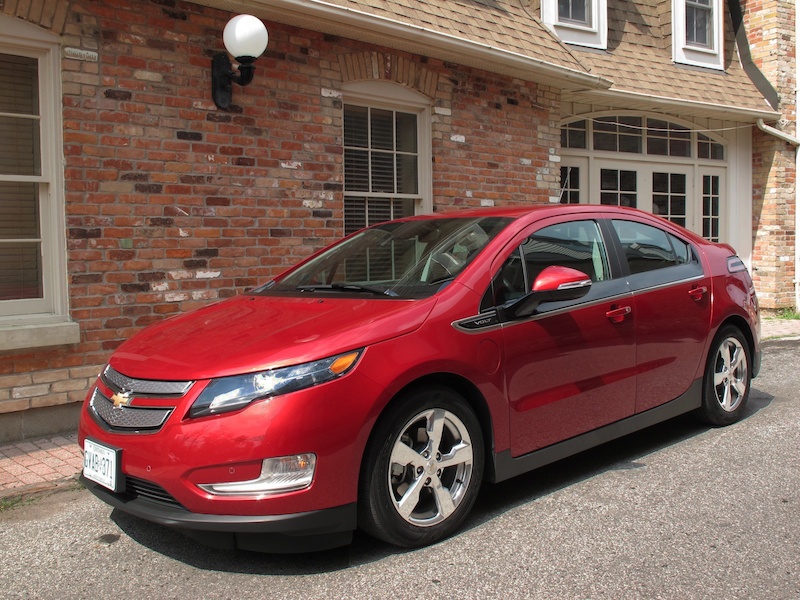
column 726, row 385
column 422, row 470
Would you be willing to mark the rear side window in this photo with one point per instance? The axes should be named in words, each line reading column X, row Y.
column 648, row 248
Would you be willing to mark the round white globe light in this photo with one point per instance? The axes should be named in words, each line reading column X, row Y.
column 245, row 35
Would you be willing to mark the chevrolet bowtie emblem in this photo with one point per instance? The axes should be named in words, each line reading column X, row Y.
column 121, row 398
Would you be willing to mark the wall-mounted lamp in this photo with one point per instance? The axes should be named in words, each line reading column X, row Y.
column 245, row 38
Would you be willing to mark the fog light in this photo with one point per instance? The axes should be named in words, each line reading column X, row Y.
column 278, row 475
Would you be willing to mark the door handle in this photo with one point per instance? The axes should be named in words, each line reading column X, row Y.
column 617, row 315
column 698, row 292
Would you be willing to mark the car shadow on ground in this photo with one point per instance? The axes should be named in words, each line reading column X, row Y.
column 494, row 500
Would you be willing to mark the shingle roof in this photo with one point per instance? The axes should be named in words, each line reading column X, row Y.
column 639, row 61
column 508, row 37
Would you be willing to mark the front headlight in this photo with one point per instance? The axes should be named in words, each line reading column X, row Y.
column 232, row 393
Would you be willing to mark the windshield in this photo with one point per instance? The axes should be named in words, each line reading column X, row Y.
column 401, row 259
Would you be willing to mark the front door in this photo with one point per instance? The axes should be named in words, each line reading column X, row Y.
column 571, row 368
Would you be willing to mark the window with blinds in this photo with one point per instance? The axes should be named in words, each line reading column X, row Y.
column 381, row 165
column 21, row 275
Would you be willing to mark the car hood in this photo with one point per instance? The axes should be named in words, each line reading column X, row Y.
column 253, row 333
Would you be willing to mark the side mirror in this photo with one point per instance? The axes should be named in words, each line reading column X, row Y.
column 554, row 284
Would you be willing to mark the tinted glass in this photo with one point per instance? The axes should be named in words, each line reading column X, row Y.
column 646, row 248
column 411, row 259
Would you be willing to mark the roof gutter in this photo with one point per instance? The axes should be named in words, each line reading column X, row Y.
column 778, row 133
column 662, row 102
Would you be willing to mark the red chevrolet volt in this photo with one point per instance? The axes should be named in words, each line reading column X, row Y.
column 380, row 382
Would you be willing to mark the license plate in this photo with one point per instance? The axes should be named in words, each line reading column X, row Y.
column 102, row 465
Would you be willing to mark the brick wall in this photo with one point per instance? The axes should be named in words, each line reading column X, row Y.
column 172, row 203
column 770, row 28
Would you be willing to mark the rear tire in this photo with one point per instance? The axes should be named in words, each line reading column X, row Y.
column 422, row 469
column 726, row 385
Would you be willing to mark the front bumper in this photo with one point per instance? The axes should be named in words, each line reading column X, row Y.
column 298, row 532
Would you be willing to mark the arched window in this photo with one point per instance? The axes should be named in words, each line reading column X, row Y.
column 649, row 162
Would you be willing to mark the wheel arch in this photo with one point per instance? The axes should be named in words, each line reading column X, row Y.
column 742, row 325
column 467, row 390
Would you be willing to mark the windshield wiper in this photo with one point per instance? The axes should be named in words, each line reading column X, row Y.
column 348, row 287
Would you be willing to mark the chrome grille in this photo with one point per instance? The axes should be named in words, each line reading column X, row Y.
column 127, row 417
column 146, row 490
column 118, row 381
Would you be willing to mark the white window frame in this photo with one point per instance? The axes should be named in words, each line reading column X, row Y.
column 593, row 34
column 691, row 54
column 591, row 161
column 46, row 322
column 391, row 96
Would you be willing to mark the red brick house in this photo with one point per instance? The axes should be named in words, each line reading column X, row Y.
column 127, row 196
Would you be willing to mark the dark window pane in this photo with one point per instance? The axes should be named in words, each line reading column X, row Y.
column 382, row 169
column 355, row 126
column 609, row 179
column 20, row 271
column 19, row 146
column 605, row 141
column 629, row 143
column 19, row 85
column 677, row 183
column 657, row 146
column 356, row 170
column 19, row 210
column 406, row 132
column 646, row 248
column 407, row 180
column 627, row 181
column 382, row 129
column 661, row 183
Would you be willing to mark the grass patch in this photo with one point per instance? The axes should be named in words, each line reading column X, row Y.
column 789, row 314
column 11, row 502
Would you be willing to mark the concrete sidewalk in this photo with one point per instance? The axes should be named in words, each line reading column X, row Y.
column 38, row 465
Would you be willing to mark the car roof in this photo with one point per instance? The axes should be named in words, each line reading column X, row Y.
column 542, row 210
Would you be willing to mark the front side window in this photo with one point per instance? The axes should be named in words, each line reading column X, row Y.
column 576, row 244
column 381, row 165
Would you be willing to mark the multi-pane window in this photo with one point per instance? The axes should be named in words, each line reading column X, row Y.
column 706, row 148
column 618, row 188
column 711, row 201
column 573, row 135
column 668, row 139
column 699, row 19
column 635, row 135
column 381, row 165
column 570, row 185
column 669, row 196
column 697, row 37
column 21, row 276
column 618, row 134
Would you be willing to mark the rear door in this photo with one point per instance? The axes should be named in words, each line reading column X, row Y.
column 672, row 308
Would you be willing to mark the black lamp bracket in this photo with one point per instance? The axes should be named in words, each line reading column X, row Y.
column 223, row 75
